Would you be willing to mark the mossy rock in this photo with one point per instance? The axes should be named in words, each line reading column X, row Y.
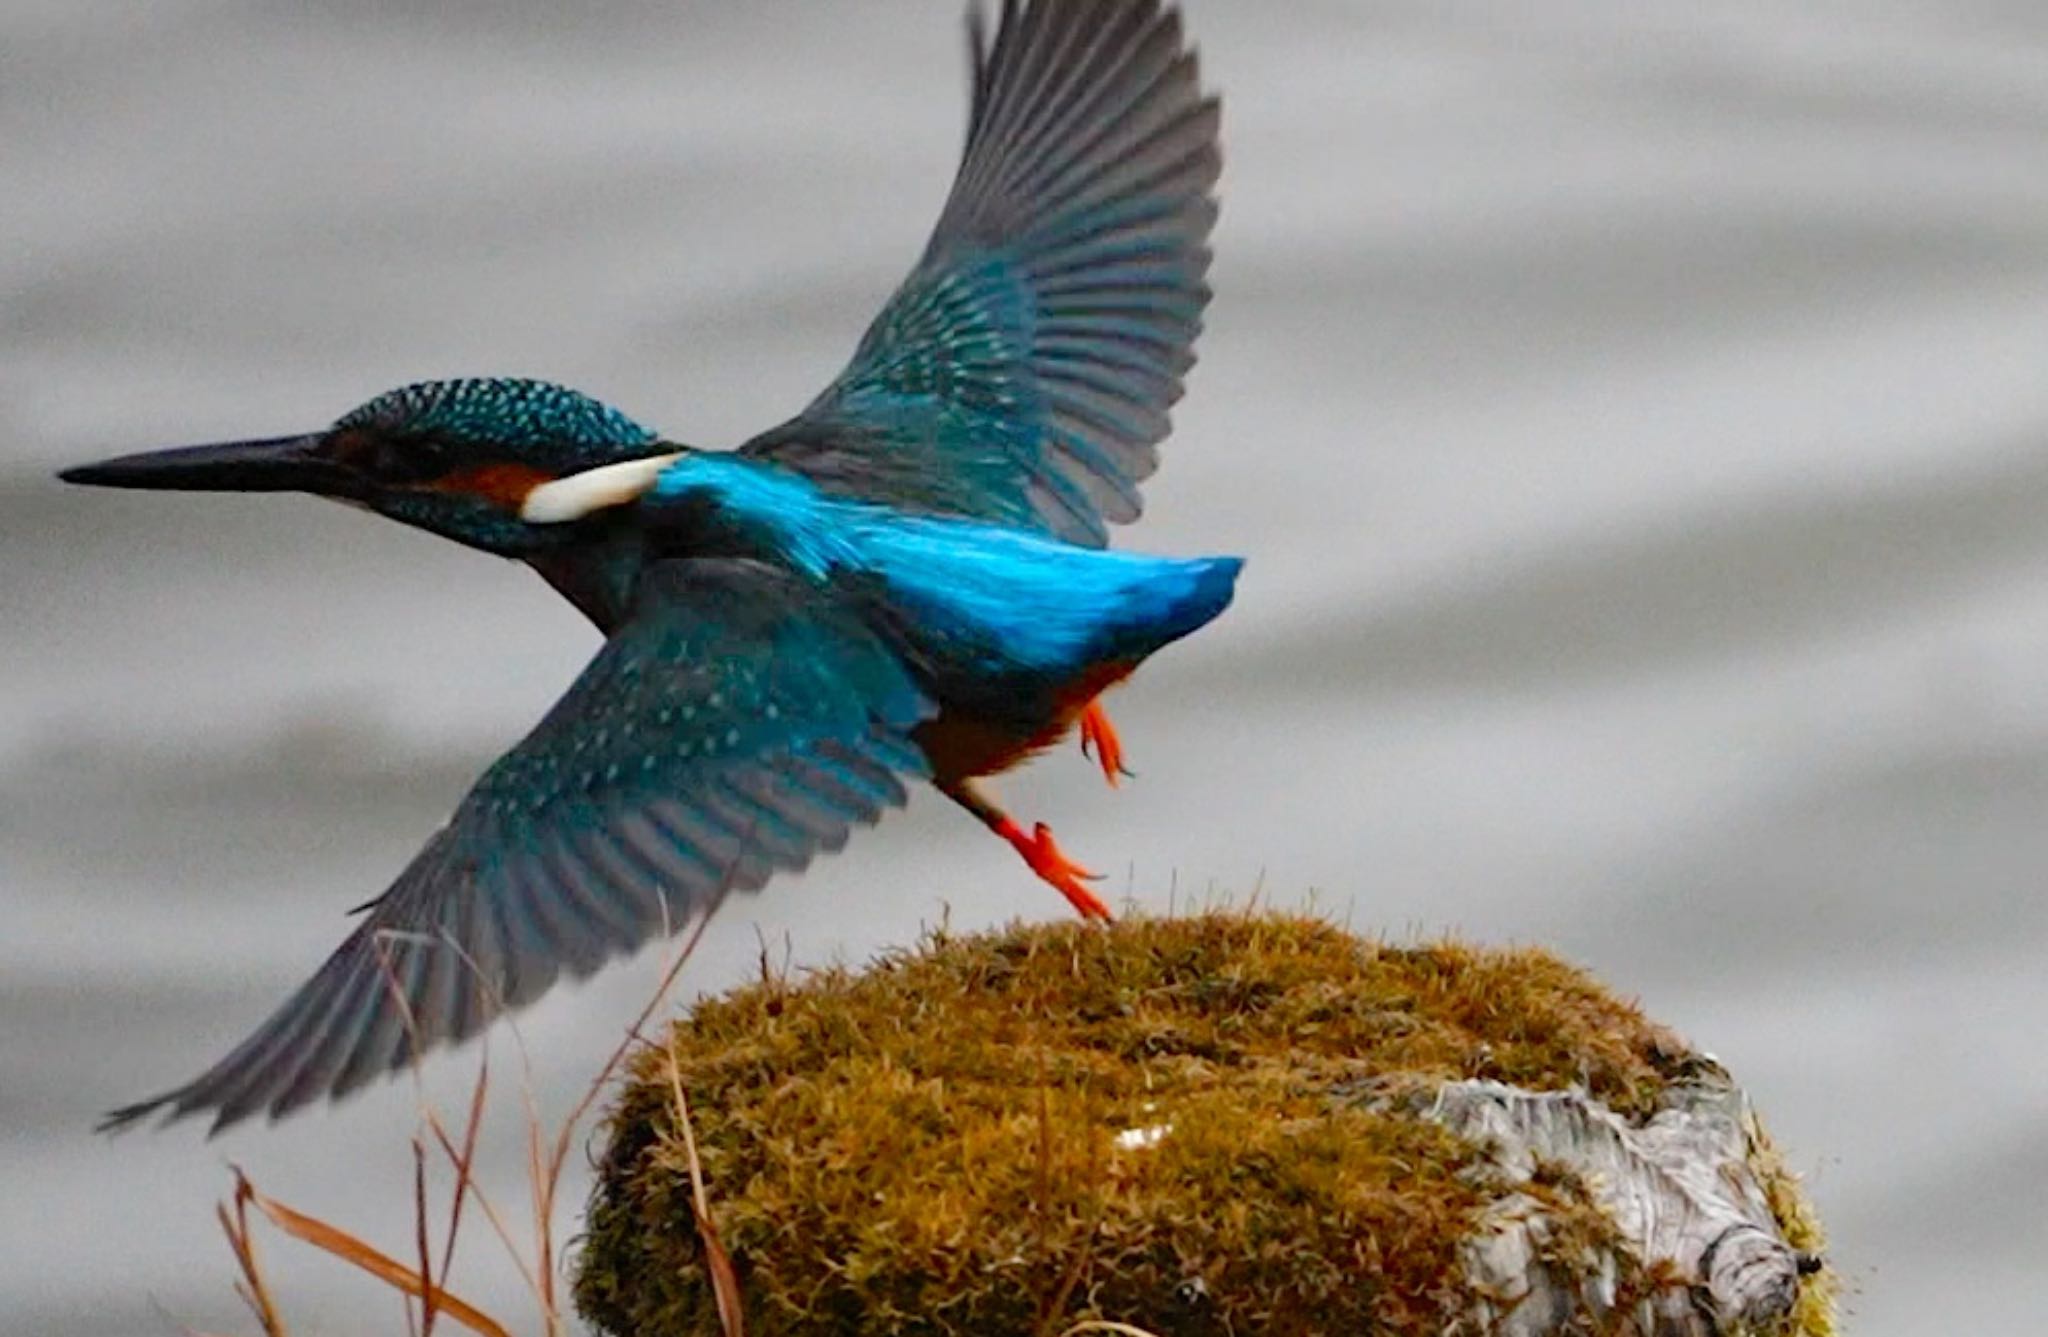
column 1207, row 1124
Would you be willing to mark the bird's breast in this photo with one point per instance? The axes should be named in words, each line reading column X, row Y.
column 998, row 726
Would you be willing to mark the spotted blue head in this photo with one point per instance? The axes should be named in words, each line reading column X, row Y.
column 456, row 457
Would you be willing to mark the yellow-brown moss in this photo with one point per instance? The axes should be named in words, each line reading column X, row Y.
column 930, row 1145
column 1814, row 1313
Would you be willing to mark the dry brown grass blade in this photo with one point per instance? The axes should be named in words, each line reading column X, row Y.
column 1066, row 1289
column 462, row 1158
column 540, row 1200
column 544, row 1168
column 545, row 1165
column 429, row 1308
column 547, row 1170
column 462, row 1163
column 252, row 1288
column 1106, row 1325
column 1086, row 1253
column 725, row 1281
column 350, row 1249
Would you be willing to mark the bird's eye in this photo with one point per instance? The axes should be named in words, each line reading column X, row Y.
column 391, row 460
column 406, row 462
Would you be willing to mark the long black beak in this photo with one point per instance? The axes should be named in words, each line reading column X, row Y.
column 284, row 464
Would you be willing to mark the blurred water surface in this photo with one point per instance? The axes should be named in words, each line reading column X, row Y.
column 1634, row 415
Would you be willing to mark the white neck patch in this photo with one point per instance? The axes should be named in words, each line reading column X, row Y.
column 578, row 495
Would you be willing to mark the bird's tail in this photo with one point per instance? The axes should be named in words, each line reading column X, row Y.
column 1044, row 606
column 1162, row 599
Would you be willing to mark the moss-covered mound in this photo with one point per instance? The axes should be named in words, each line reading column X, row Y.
column 1175, row 1124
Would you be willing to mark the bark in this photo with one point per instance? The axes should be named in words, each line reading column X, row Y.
column 1680, row 1191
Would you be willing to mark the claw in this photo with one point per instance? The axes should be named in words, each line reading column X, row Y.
column 1099, row 740
column 1050, row 863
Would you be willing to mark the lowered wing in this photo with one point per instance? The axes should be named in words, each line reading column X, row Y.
column 736, row 724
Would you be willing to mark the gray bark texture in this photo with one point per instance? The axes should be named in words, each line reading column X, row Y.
column 1679, row 1189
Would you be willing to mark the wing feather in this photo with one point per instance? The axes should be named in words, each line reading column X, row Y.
column 776, row 721
column 1024, row 371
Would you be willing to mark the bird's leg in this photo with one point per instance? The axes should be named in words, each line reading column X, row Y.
column 1038, row 849
column 1099, row 740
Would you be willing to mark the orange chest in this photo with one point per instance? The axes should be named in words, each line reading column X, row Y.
column 961, row 745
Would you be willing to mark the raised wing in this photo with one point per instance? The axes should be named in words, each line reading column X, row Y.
column 735, row 725
column 1023, row 372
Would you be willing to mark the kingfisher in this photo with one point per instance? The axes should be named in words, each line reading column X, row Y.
column 909, row 580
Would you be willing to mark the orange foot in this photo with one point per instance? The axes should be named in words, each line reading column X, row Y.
column 1049, row 863
column 1099, row 740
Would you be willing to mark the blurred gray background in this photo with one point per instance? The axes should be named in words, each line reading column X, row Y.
column 1634, row 413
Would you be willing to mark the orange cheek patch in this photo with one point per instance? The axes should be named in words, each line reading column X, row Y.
column 505, row 484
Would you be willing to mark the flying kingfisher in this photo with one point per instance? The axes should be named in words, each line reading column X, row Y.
column 907, row 580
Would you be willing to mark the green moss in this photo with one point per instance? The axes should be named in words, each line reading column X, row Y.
column 930, row 1145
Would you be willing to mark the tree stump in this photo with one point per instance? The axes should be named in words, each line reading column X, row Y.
column 1220, row 1123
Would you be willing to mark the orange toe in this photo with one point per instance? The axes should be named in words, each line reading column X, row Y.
column 1047, row 860
column 1099, row 740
